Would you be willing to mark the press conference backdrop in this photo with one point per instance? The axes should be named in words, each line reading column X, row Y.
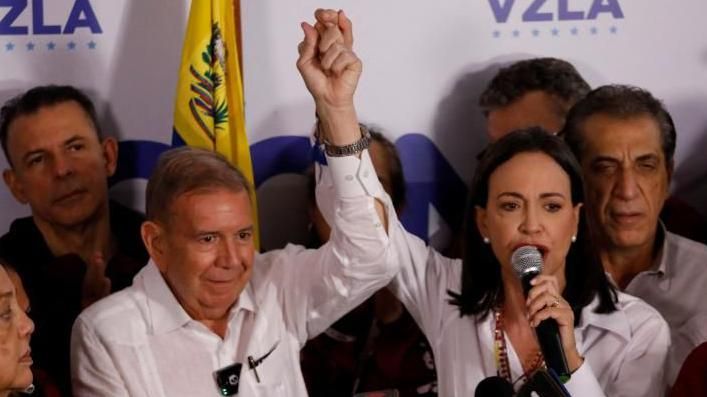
column 425, row 64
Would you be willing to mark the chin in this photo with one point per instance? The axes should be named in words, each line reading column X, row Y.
column 75, row 216
column 23, row 380
column 221, row 301
column 629, row 240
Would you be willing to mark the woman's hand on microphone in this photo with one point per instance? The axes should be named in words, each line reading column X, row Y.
column 545, row 301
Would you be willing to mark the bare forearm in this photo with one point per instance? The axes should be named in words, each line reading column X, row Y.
column 339, row 126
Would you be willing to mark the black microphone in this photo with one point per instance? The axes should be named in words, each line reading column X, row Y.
column 494, row 386
column 527, row 262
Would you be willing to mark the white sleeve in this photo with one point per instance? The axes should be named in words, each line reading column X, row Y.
column 319, row 286
column 424, row 281
column 643, row 371
column 424, row 276
column 584, row 383
column 93, row 372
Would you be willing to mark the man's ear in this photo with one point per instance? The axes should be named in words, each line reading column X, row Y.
column 110, row 154
column 153, row 237
column 14, row 185
column 480, row 217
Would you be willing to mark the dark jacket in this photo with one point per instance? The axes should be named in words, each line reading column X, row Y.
column 54, row 284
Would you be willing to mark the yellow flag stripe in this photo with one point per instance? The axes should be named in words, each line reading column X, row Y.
column 209, row 105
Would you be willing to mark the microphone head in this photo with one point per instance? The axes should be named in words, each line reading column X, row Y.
column 494, row 386
column 527, row 259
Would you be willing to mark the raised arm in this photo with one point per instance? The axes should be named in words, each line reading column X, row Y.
column 319, row 286
column 331, row 70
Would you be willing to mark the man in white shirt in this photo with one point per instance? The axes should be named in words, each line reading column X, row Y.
column 209, row 316
column 625, row 141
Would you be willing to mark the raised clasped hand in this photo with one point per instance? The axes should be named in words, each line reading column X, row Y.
column 327, row 63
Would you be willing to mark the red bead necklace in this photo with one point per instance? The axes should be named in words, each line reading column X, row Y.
column 503, row 367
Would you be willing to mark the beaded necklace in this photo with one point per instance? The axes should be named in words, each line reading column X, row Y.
column 503, row 366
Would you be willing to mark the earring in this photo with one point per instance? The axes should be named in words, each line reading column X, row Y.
column 574, row 239
column 487, row 240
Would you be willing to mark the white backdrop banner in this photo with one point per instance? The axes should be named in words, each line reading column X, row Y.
column 425, row 64
column 124, row 54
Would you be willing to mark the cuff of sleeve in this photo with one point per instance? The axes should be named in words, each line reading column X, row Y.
column 583, row 382
column 353, row 176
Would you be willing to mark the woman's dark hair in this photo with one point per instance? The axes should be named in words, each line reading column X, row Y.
column 481, row 285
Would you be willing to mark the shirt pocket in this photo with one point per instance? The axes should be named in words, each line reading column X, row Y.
column 272, row 368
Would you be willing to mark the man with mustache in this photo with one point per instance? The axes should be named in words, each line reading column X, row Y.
column 625, row 139
column 77, row 246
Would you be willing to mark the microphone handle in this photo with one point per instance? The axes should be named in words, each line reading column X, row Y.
column 549, row 338
column 551, row 345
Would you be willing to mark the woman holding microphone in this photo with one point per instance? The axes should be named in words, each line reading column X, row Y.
column 527, row 192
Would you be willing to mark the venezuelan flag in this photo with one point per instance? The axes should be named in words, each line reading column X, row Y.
column 208, row 109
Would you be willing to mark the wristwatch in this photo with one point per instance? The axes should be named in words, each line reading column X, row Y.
column 351, row 149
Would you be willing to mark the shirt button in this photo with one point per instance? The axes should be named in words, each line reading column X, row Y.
column 349, row 178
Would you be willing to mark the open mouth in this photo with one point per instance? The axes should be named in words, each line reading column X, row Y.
column 544, row 252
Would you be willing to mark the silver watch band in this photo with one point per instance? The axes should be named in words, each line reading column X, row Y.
column 351, row 149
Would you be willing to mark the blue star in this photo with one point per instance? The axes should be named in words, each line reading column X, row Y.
column 574, row 31
column 496, row 34
column 516, row 33
column 71, row 45
column 9, row 46
column 30, row 46
column 555, row 31
column 536, row 32
column 593, row 30
column 51, row 46
column 92, row 45
column 613, row 29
